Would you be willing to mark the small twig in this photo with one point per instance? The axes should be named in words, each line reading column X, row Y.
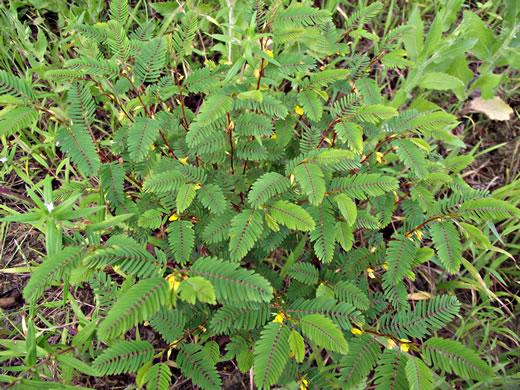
column 230, row 130
column 181, row 98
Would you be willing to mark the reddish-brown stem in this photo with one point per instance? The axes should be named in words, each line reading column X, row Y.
column 327, row 131
column 168, row 145
column 261, row 73
column 139, row 96
column 389, row 336
column 379, row 144
column 186, row 335
column 397, row 201
column 15, row 195
column 150, row 116
column 115, row 101
column 230, row 130
column 422, row 225
column 181, row 98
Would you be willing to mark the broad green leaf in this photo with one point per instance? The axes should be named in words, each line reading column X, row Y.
column 440, row 81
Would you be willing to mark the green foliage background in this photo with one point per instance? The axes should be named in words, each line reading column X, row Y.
column 267, row 200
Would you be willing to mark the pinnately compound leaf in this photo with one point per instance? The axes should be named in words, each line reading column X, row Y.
column 246, row 228
column 271, row 354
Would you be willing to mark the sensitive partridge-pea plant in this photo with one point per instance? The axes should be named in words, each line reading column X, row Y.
column 274, row 197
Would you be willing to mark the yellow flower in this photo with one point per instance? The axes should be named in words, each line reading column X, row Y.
column 379, row 157
column 173, row 282
column 256, row 73
column 146, row 323
column 356, row 331
column 405, row 347
column 231, row 125
column 373, row 249
column 269, row 53
column 396, row 197
column 152, row 147
column 278, row 318
column 390, row 344
column 173, row 217
column 419, row 235
column 371, row 274
column 184, row 160
column 198, row 186
column 273, row 136
column 385, row 265
column 304, row 385
column 298, row 110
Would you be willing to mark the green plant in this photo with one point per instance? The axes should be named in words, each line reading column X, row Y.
column 210, row 197
column 461, row 57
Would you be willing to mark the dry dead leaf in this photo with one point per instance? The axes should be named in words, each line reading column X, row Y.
column 420, row 295
column 494, row 108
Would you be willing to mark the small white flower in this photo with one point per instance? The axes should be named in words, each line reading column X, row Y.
column 57, row 143
column 49, row 206
column 3, row 160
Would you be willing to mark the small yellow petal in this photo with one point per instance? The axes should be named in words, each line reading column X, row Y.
column 390, row 344
column 256, row 73
column 419, row 235
column 152, row 147
column 121, row 115
column 269, row 53
column 298, row 110
column 273, row 136
column 198, row 186
column 173, row 217
column 356, row 331
column 278, row 318
column 304, row 385
column 371, row 274
column 184, row 160
column 174, row 283
column 396, row 196
column 385, row 265
column 146, row 323
column 373, row 249
column 405, row 347
column 231, row 125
